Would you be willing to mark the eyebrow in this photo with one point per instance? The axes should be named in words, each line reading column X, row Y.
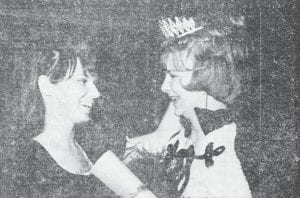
column 174, row 71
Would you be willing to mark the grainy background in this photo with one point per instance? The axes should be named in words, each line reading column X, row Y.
column 128, row 39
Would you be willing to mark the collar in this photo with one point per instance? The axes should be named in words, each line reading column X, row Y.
column 209, row 120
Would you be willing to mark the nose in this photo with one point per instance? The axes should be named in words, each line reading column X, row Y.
column 166, row 85
column 94, row 92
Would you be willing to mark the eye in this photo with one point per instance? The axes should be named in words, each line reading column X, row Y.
column 169, row 73
column 82, row 80
column 173, row 76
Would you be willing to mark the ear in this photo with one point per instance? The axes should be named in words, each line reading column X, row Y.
column 45, row 86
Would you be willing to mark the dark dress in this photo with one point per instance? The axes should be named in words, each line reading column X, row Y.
column 34, row 173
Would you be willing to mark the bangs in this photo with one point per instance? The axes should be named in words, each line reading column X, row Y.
column 87, row 56
column 62, row 66
column 186, row 55
column 88, row 64
column 173, row 61
column 63, row 63
column 71, row 64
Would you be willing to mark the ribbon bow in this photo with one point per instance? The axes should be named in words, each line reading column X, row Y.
column 189, row 153
column 210, row 152
column 183, row 168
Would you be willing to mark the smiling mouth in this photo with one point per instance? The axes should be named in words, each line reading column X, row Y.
column 87, row 105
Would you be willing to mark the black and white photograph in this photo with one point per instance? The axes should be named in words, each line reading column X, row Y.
column 149, row 99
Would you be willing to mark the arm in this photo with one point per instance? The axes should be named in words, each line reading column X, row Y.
column 154, row 142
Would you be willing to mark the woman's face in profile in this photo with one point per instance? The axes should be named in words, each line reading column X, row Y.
column 75, row 95
column 174, row 83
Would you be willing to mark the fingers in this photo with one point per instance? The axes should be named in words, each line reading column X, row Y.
column 129, row 156
column 150, row 143
column 128, row 139
column 133, row 142
column 133, row 147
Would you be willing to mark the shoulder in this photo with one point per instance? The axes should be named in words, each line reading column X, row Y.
column 228, row 128
column 22, row 167
column 30, row 158
column 25, row 150
column 226, row 132
column 34, row 173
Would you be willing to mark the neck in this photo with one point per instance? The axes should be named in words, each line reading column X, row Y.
column 213, row 104
column 210, row 104
column 203, row 102
column 57, row 128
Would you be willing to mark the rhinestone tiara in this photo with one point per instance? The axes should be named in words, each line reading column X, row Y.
column 178, row 28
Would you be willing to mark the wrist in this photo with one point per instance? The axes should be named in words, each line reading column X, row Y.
column 142, row 192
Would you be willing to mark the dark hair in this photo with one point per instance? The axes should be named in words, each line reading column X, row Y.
column 216, row 52
column 26, row 104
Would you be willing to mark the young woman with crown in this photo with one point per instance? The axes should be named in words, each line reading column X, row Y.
column 196, row 137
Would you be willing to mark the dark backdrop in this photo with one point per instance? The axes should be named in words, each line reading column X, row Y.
column 128, row 39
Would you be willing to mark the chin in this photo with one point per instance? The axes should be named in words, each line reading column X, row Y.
column 178, row 112
column 82, row 118
column 182, row 112
column 86, row 119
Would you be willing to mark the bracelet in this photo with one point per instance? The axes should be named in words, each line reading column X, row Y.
column 140, row 189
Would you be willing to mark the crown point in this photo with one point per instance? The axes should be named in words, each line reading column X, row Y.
column 178, row 28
